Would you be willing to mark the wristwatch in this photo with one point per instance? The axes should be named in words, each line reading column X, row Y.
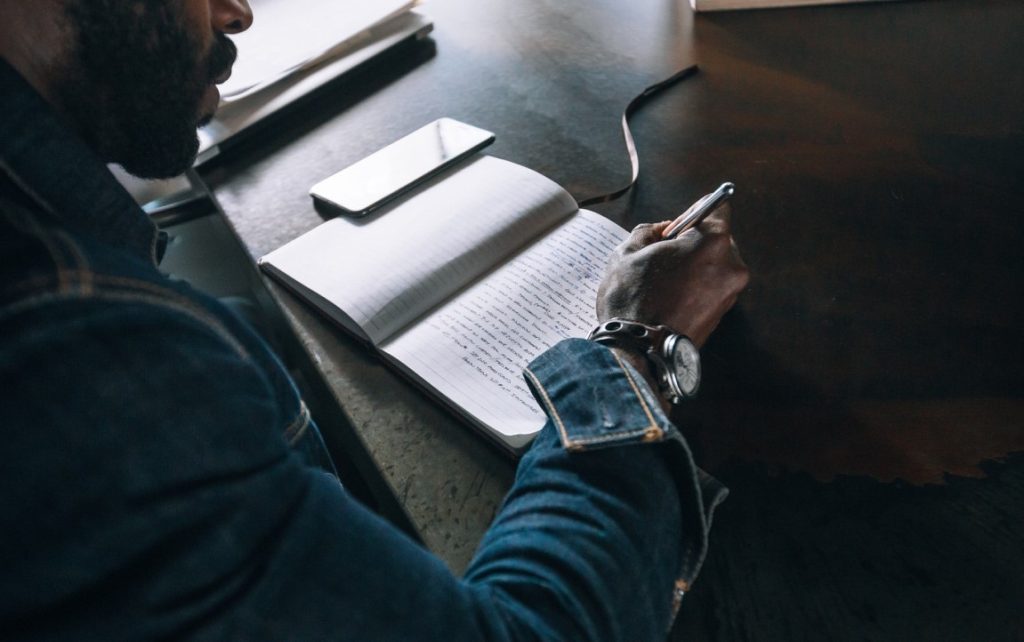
column 675, row 359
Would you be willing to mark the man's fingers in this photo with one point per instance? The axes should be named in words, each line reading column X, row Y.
column 717, row 222
column 643, row 235
column 737, row 257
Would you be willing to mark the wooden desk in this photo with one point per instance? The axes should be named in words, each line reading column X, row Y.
column 877, row 151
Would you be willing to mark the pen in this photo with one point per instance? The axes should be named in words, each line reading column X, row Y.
column 698, row 211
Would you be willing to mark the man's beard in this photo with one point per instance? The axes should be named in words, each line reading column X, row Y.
column 134, row 82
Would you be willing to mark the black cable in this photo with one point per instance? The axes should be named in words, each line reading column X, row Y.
column 634, row 159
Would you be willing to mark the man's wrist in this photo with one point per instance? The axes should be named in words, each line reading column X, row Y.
column 642, row 365
column 673, row 359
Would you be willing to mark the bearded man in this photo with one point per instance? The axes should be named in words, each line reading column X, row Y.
column 162, row 477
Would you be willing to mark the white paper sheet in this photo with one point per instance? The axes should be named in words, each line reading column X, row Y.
column 288, row 35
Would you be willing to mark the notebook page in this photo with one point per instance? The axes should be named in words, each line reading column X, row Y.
column 472, row 350
column 385, row 270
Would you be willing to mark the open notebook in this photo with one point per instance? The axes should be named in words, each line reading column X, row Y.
column 461, row 284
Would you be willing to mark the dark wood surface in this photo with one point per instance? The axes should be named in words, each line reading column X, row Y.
column 864, row 399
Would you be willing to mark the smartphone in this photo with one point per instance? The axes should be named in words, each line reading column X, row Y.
column 365, row 185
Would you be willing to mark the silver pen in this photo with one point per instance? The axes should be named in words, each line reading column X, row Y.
column 698, row 211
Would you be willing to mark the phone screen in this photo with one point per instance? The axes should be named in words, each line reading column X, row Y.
column 390, row 171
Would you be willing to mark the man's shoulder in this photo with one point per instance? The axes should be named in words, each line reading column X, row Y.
column 29, row 255
column 43, row 263
column 52, row 279
column 76, row 312
column 39, row 259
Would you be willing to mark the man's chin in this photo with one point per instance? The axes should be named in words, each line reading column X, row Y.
column 209, row 104
column 160, row 161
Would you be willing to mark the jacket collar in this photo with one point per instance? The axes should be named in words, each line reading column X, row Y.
column 57, row 170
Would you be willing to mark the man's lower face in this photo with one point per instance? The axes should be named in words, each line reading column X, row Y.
column 136, row 79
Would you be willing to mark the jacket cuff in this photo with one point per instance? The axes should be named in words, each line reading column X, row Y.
column 595, row 400
column 612, row 405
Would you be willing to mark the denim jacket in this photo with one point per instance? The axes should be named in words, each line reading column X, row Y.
column 162, row 478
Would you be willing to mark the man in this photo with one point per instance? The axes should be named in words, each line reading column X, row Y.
column 162, row 478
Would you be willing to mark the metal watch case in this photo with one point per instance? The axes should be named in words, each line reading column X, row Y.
column 675, row 359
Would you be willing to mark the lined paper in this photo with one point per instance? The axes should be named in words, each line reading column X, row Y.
column 472, row 349
column 384, row 271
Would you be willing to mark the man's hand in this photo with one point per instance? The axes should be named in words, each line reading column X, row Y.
column 687, row 283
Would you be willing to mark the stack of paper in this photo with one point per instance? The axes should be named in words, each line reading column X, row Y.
column 296, row 46
column 290, row 35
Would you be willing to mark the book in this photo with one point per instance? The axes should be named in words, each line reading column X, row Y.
column 460, row 284
column 722, row 5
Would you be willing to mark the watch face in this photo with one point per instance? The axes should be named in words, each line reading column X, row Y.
column 686, row 365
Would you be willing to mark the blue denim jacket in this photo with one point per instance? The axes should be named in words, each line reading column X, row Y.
column 162, row 478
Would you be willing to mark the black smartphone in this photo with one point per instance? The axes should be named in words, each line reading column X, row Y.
column 367, row 184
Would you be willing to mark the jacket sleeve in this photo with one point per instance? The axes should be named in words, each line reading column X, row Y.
column 166, row 503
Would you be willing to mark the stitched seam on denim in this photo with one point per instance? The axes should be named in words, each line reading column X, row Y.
column 616, row 436
column 551, row 407
column 21, row 220
column 82, row 272
column 145, row 286
column 131, row 297
column 56, row 242
column 622, row 436
column 103, row 279
column 297, row 428
column 25, row 187
column 639, row 396
column 178, row 299
column 678, row 593
column 48, row 282
column 173, row 298
column 32, row 284
column 45, row 204
column 580, row 441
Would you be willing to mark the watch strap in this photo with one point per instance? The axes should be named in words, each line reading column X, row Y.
column 631, row 332
column 648, row 340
